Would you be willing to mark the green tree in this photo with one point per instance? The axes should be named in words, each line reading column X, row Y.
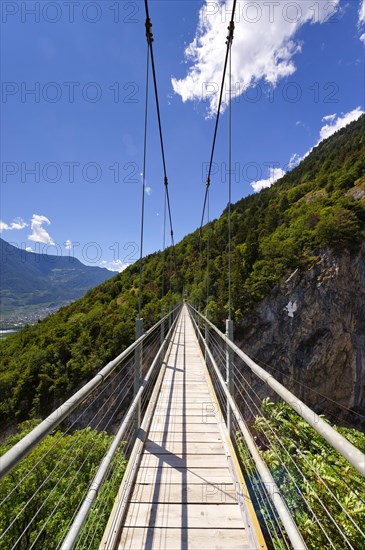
column 39, row 497
column 303, row 459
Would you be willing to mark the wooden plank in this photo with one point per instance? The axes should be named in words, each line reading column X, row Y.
column 182, row 382
column 191, row 409
column 186, row 447
column 183, row 475
column 209, row 493
column 185, row 379
column 187, row 461
column 218, row 516
column 188, row 427
column 186, row 392
column 172, row 420
column 197, row 399
column 197, row 393
column 186, row 414
column 175, row 437
column 181, row 378
column 185, row 539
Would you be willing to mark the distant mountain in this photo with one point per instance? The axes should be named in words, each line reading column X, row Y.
column 30, row 282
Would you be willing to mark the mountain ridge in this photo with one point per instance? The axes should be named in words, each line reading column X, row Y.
column 37, row 280
column 317, row 207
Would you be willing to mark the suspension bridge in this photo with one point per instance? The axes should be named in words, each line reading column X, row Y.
column 179, row 405
column 174, row 445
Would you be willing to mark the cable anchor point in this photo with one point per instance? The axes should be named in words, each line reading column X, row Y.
column 149, row 34
column 230, row 33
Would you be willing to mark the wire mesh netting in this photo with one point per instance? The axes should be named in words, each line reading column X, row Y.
column 322, row 490
column 41, row 496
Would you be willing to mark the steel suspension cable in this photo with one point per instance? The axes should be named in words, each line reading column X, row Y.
column 291, row 459
column 150, row 41
column 337, row 419
column 60, row 461
column 166, row 182
column 228, row 43
column 229, row 177
column 143, row 181
column 208, row 250
column 200, row 265
column 255, row 483
column 163, row 247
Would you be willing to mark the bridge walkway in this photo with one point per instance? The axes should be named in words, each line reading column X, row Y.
column 186, row 490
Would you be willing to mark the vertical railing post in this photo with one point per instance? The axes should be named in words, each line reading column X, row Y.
column 206, row 335
column 162, row 334
column 229, row 371
column 138, row 371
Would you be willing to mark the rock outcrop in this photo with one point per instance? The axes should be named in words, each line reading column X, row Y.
column 311, row 330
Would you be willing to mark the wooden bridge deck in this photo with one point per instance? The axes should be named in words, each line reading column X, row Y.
column 184, row 496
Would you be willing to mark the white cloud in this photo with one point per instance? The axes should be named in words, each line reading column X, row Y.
column 148, row 190
column 39, row 234
column 263, row 46
column 68, row 244
column 362, row 12
column 295, row 159
column 362, row 19
column 339, row 122
column 329, row 117
column 115, row 265
column 274, row 175
column 29, row 249
column 17, row 223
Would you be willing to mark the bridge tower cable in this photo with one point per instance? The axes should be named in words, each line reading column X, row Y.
column 163, row 248
column 228, row 43
column 207, row 185
column 229, row 176
column 208, row 248
column 150, row 40
column 229, row 322
column 138, row 354
column 143, row 183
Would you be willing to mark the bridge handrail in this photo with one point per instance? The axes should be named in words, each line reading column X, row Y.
column 101, row 473
column 275, row 494
column 10, row 459
column 342, row 445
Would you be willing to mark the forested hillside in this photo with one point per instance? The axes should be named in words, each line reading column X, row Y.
column 319, row 205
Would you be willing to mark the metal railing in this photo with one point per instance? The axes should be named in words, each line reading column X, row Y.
column 62, row 477
column 283, row 474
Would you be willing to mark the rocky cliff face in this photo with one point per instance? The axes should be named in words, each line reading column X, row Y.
column 311, row 329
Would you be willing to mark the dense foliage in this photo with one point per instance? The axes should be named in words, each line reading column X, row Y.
column 319, row 204
column 304, row 460
column 48, row 486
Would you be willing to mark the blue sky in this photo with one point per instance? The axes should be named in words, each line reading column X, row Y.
column 298, row 75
